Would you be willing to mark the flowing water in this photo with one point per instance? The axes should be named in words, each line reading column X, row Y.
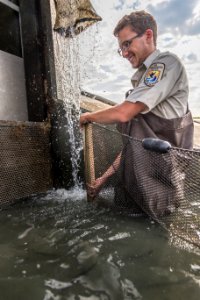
column 72, row 57
column 68, row 89
column 58, row 246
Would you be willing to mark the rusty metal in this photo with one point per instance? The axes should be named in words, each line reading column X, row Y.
column 25, row 160
column 74, row 16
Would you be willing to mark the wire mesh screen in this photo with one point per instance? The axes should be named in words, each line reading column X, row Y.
column 25, row 161
column 122, row 173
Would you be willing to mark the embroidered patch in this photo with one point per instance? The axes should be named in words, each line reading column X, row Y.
column 154, row 74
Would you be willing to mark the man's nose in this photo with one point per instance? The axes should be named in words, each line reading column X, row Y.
column 125, row 53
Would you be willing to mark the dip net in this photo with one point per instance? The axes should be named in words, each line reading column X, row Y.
column 135, row 180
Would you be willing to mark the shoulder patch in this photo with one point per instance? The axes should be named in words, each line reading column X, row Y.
column 154, row 74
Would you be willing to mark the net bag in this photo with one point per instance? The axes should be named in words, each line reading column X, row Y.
column 144, row 177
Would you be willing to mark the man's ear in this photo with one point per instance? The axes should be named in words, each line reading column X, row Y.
column 149, row 35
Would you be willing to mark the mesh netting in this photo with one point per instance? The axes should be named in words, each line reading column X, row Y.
column 25, row 161
column 164, row 186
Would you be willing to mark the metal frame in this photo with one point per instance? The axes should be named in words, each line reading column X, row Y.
column 10, row 4
column 16, row 8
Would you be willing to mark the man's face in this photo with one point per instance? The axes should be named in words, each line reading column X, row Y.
column 136, row 48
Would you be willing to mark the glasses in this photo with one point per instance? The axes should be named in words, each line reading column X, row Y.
column 126, row 44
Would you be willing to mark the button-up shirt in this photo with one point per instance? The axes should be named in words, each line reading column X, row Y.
column 166, row 93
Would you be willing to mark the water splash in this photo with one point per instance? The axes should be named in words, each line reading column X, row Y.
column 72, row 58
column 68, row 87
column 61, row 195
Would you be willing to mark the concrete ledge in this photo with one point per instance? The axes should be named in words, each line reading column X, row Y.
column 196, row 134
column 92, row 104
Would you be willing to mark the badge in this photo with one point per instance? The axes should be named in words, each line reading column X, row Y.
column 154, row 74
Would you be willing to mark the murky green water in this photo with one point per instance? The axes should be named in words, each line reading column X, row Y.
column 61, row 247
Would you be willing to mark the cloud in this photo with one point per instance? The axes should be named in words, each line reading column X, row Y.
column 193, row 27
column 176, row 14
column 120, row 5
column 190, row 58
column 126, row 4
column 167, row 40
column 106, row 68
column 113, row 89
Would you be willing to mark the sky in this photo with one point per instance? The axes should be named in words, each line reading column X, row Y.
column 107, row 74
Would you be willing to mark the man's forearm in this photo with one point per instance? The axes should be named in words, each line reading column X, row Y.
column 118, row 113
column 113, row 168
column 107, row 116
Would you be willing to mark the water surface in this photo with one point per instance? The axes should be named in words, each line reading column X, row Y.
column 58, row 246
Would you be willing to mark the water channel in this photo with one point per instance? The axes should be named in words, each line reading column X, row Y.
column 58, row 246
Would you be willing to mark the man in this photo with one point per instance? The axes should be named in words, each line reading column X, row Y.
column 157, row 106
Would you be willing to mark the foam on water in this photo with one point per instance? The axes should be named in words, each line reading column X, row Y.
column 74, row 194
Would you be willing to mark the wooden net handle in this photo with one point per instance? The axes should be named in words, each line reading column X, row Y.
column 89, row 156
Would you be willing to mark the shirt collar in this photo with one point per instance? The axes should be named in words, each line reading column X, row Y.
column 141, row 70
column 151, row 58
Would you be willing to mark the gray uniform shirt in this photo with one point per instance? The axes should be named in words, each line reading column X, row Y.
column 161, row 83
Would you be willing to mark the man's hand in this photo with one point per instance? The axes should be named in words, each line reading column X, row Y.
column 84, row 119
column 94, row 188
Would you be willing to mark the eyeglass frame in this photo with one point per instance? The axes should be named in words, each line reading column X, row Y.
column 125, row 48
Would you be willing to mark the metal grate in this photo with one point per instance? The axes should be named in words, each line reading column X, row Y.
column 25, row 162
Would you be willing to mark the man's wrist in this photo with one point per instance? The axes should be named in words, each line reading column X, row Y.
column 87, row 119
column 84, row 119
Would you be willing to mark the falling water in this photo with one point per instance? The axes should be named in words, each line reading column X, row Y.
column 74, row 58
column 68, row 81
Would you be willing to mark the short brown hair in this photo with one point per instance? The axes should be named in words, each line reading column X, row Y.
column 139, row 21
